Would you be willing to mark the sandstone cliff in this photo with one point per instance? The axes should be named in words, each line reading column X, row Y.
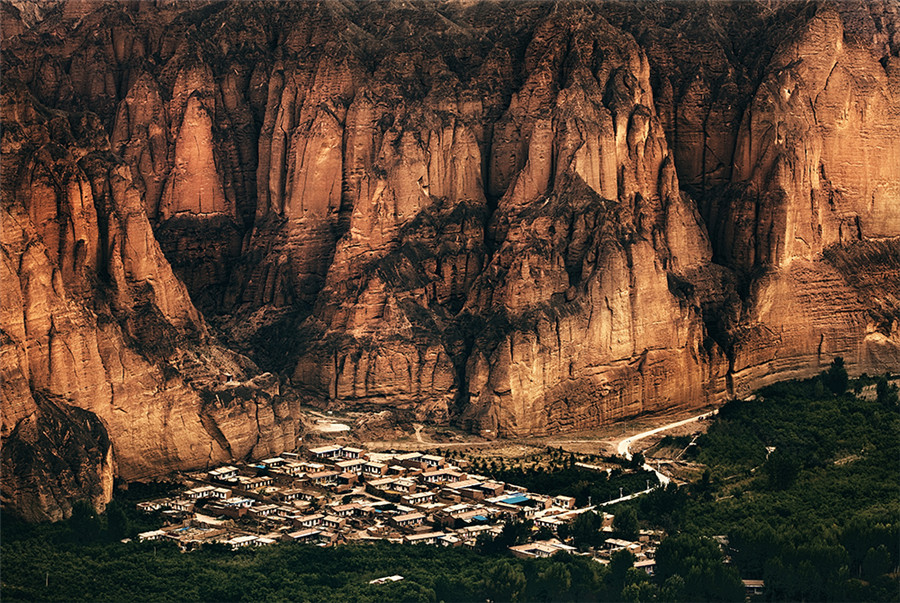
column 107, row 365
column 521, row 217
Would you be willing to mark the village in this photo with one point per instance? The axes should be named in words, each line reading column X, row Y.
column 331, row 495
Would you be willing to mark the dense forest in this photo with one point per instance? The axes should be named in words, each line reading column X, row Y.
column 800, row 490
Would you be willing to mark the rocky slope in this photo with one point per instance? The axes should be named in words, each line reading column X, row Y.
column 519, row 217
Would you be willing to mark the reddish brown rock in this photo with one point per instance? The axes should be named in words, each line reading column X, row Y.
column 522, row 217
column 94, row 318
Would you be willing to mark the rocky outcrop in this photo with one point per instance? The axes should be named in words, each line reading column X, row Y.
column 520, row 217
column 816, row 159
column 54, row 456
column 99, row 336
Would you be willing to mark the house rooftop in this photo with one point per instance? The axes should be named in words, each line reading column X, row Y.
column 325, row 449
column 417, row 537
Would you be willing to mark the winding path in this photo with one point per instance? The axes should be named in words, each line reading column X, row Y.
column 624, row 446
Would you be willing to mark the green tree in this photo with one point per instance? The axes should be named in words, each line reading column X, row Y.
column 640, row 591
column 818, row 389
column 505, row 582
column 84, row 523
column 637, row 460
column 886, row 393
column 672, row 589
column 751, row 543
column 619, row 564
column 836, row 376
column 876, row 562
column 782, row 470
column 699, row 563
column 625, row 523
column 585, row 529
column 554, row 583
column 117, row 524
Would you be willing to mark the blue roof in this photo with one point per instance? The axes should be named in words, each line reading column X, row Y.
column 515, row 499
column 480, row 518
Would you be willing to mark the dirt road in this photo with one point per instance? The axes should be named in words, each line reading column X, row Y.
column 624, row 445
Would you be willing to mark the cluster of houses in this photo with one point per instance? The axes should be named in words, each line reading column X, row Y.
column 336, row 494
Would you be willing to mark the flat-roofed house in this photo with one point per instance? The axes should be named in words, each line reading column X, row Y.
column 222, row 493
column 323, row 478
column 181, row 505
column 433, row 461
column 151, row 535
column 412, row 460
column 407, row 456
column 263, row 510
column 404, row 485
column 541, row 549
column 420, row 498
column 151, row 506
column 752, row 588
column 471, row 533
column 616, row 544
column 469, row 482
column 407, row 520
column 373, row 468
column 239, row 541
column 311, row 467
column 548, row 521
column 289, row 494
column 307, row 535
column 386, row 579
column 292, row 468
column 329, row 538
column 347, row 479
column 382, row 484
column 223, row 473
column 564, row 502
column 325, row 452
column 309, row 521
column 310, row 495
column 348, row 510
column 648, row 565
column 349, row 452
column 428, row 538
column 333, row 523
column 351, row 465
column 262, row 481
column 238, row 502
column 441, row 476
column 200, row 492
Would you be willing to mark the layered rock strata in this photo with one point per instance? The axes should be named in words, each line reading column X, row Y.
column 521, row 217
column 107, row 366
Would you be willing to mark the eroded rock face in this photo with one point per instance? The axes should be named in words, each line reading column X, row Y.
column 57, row 454
column 521, row 217
column 100, row 338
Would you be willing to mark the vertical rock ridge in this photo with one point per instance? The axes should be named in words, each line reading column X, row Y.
column 105, row 357
column 521, row 217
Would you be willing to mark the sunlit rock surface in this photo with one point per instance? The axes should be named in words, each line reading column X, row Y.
column 517, row 217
